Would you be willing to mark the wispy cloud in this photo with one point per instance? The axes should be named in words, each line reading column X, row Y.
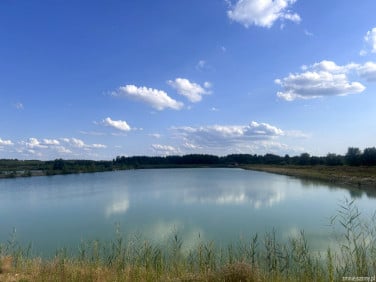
column 93, row 133
column 201, row 65
column 164, row 149
column 19, row 106
column 98, row 146
column 155, row 135
column 262, row 13
column 306, row 32
column 158, row 99
column 370, row 42
column 190, row 146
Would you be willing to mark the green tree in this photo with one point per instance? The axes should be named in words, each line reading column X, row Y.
column 353, row 156
column 304, row 159
column 58, row 164
column 369, row 156
column 333, row 159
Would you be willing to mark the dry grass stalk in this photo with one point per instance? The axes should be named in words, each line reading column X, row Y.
column 6, row 264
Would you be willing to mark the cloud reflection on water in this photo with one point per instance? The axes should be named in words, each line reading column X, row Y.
column 117, row 207
column 190, row 193
column 241, row 195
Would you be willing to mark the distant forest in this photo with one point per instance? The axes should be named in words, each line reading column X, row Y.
column 14, row 167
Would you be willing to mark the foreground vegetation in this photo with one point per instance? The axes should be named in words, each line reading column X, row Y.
column 262, row 258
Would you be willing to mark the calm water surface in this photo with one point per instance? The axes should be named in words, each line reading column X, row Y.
column 217, row 204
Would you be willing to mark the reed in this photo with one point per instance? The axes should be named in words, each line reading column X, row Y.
column 257, row 258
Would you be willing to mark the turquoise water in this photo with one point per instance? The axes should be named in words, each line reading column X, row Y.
column 220, row 204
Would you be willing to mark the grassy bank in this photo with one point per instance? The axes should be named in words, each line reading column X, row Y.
column 355, row 176
column 258, row 258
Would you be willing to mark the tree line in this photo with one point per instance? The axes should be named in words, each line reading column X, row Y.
column 14, row 167
column 353, row 157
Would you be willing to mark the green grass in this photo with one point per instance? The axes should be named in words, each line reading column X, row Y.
column 258, row 258
column 355, row 176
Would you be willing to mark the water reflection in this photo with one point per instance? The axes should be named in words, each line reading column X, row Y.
column 240, row 195
column 200, row 204
column 371, row 193
column 118, row 207
column 206, row 188
column 355, row 193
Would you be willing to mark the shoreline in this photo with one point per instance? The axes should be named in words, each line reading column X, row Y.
column 360, row 177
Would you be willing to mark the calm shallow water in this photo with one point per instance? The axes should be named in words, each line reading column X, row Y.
column 217, row 204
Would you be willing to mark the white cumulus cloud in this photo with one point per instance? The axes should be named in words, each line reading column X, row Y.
column 5, row 142
column 118, row 124
column 51, row 142
column 368, row 71
column 77, row 142
column 34, row 143
column 224, row 135
column 51, row 148
column 157, row 99
column 318, row 80
column 256, row 137
column 262, row 13
column 192, row 91
column 330, row 66
column 63, row 150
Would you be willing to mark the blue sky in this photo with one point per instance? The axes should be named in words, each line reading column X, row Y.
column 98, row 79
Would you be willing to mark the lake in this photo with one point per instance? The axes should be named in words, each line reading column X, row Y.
column 219, row 204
